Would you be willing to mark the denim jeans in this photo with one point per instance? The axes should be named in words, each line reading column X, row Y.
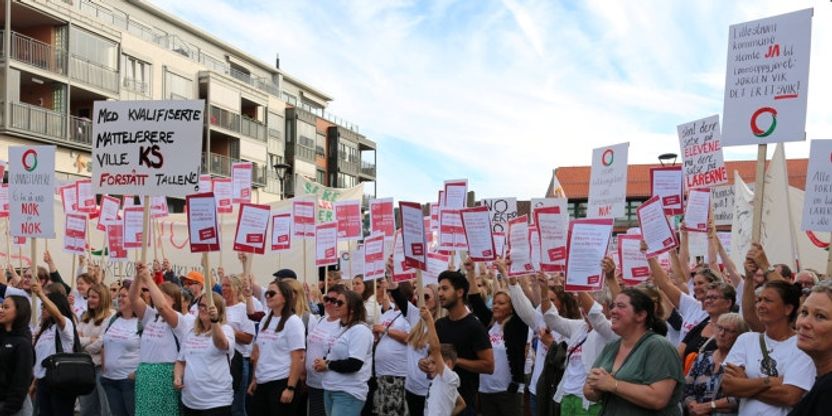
column 338, row 403
column 121, row 395
column 238, row 406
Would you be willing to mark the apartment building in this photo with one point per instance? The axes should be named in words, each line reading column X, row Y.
column 59, row 56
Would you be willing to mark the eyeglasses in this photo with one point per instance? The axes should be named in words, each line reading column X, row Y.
column 713, row 298
column 114, row 289
column 721, row 328
column 328, row 299
column 270, row 293
column 336, row 302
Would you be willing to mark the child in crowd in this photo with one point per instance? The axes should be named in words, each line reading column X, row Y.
column 443, row 398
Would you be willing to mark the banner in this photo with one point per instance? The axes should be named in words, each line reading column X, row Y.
column 147, row 147
column 476, row 223
column 348, row 215
column 31, row 191
column 500, row 210
column 666, row 183
column 282, row 231
column 325, row 197
column 817, row 205
column 608, row 182
column 326, row 243
column 241, row 182
column 702, row 153
column 203, row 232
column 587, row 245
column 252, row 223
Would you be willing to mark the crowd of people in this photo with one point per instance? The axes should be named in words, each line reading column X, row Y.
column 693, row 339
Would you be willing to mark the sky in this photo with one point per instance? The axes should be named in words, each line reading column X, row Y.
column 503, row 92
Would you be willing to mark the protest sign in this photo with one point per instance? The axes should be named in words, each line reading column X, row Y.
column 374, row 263
column 147, row 147
column 282, row 231
column 500, row 210
column 348, row 215
column 437, row 263
column 353, row 265
column 499, row 244
column 241, row 182
column 252, row 223
column 456, row 194
column 4, row 200
column 696, row 214
column 132, row 227
column 115, row 242
column 608, row 182
column 587, row 244
column 553, row 225
column 326, row 243
column 767, row 79
column 401, row 271
column 69, row 200
column 655, row 229
column 702, row 153
column 109, row 211
column 666, row 182
column 413, row 235
column 85, row 197
column 451, row 230
column 519, row 246
column 75, row 232
column 534, row 247
column 222, row 194
column 32, row 191
column 476, row 223
column 634, row 267
column 722, row 204
column 303, row 219
column 817, row 203
column 434, row 217
column 381, row 217
column 158, row 207
column 203, row 232
column 205, row 184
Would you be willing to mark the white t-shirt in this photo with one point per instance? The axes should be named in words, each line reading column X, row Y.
column 207, row 377
column 121, row 349
column 158, row 343
column 692, row 314
column 499, row 380
column 322, row 333
column 575, row 374
column 442, row 394
column 416, row 381
column 275, row 348
column 80, row 304
column 542, row 350
column 354, row 342
column 238, row 320
column 389, row 352
column 796, row 368
column 46, row 345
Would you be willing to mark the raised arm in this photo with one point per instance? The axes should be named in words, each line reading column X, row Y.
column 217, row 334
column 139, row 307
column 162, row 307
column 749, row 297
column 730, row 269
column 608, row 267
column 522, row 304
column 50, row 307
column 433, row 340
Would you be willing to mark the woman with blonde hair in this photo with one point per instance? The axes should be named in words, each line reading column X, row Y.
column 90, row 333
column 301, row 305
column 237, row 315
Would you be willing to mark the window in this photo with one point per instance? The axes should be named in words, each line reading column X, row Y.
column 320, row 177
column 346, row 181
column 178, row 87
column 136, row 75
column 93, row 48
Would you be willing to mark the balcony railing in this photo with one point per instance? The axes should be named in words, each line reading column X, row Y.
column 220, row 165
column 38, row 120
column 93, row 74
column 225, row 119
column 368, row 169
column 36, row 53
column 136, row 86
column 252, row 128
column 80, row 130
column 305, row 153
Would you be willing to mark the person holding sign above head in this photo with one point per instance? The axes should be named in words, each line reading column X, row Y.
column 443, row 398
column 203, row 368
column 90, row 333
column 120, row 357
column 164, row 331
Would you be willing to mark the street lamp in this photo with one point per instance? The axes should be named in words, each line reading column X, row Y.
column 667, row 156
column 281, row 169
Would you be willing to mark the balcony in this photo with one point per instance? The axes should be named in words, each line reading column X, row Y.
column 305, row 153
column 368, row 169
column 238, row 124
column 36, row 53
column 38, row 120
column 252, row 128
column 80, row 130
column 220, row 165
column 93, row 74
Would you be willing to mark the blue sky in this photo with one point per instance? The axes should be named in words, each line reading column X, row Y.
column 502, row 92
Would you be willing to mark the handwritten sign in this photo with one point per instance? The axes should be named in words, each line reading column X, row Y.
column 147, row 147
column 587, row 245
column 634, row 267
column 75, row 232
column 252, row 223
column 767, row 80
column 696, row 214
column 326, row 242
column 348, row 215
column 702, row 153
column 655, row 229
column 374, row 263
column 381, row 217
column 817, row 204
column 303, row 214
column 203, row 232
column 32, row 191
column 223, row 195
column 553, row 225
column 608, row 182
column 282, row 231
column 413, row 235
column 722, row 204
column 500, row 210
column 241, row 182
column 132, row 227
column 666, row 182
column 477, row 224
column 519, row 247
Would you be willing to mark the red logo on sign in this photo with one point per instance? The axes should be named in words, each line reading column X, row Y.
column 254, row 238
column 558, row 253
column 418, row 249
column 207, row 234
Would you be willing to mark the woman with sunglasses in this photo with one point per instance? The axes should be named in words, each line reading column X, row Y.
column 120, row 358
column 90, row 332
column 321, row 334
column 766, row 370
column 16, row 356
column 203, row 367
column 814, row 337
column 346, row 367
column 164, row 330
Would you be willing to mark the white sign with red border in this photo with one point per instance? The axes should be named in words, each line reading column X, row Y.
column 519, row 247
column 282, row 231
column 634, row 266
column 698, row 208
column 241, row 182
column 303, row 219
column 587, row 244
column 413, row 235
column 655, row 228
column 666, row 182
column 476, row 222
column 252, row 224
column 553, row 225
column 203, row 231
column 326, row 244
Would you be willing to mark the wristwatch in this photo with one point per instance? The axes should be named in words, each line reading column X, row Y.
column 290, row 388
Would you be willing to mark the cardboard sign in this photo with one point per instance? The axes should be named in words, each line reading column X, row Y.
column 252, row 223
column 132, row 227
column 282, row 231
column 69, row 199
column 348, row 215
column 381, row 217
column 158, row 207
column 75, row 232
column 817, row 203
column 241, row 182
column 85, row 197
column 456, row 194
column 109, row 212
column 451, row 230
column 476, row 223
column 303, row 217
column 147, row 147
column 203, row 231
column 413, row 235
column 696, row 214
column 655, row 229
column 374, row 263
column 222, row 194
column 326, row 243
column 634, row 267
column 608, row 182
column 666, row 183
column 553, row 226
column 587, row 245
column 32, row 191
column 500, row 210
column 519, row 247
column 702, row 153
column 205, row 184
column 4, row 200
column 115, row 242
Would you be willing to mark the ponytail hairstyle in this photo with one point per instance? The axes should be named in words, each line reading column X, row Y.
column 641, row 302
column 62, row 304
column 288, row 305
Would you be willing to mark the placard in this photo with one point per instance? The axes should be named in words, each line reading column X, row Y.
column 222, row 194
column 205, row 184
column 352, row 262
column 696, row 214
column 634, row 266
column 32, row 191
column 4, row 200
column 374, row 263
column 252, row 223
column 456, row 194
column 534, row 247
column 500, row 210
column 132, row 226
column 767, row 80
column 451, row 230
column 608, row 182
column 85, row 197
column 722, row 204
column 158, row 207
column 401, row 271
column 666, row 182
column 413, row 235
column 69, row 198
column 702, row 153
column 115, row 242
column 437, row 263
column 434, row 217
column 75, row 232
column 499, row 244
column 519, row 247
column 203, row 231
column 381, row 217
column 326, row 243
column 348, row 215
column 282, row 231
column 147, row 147
column 817, row 203
column 476, row 223
column 109, row 212
column 553, row 225
column 655, row 229
column 303, row 219
column 587, row 244
column 241, row 182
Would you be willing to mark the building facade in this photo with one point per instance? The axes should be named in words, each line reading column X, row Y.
column 59, row 56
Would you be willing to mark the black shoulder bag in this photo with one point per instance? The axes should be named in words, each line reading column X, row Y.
column 70, row 373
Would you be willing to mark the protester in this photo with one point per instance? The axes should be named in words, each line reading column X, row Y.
column 121, row 358
column 346, row 366
column 90, row 333
column 16, row 356
column 321, row 334
column 445, row 398
column 390, row 369
column 194, row 281
column 83, row 282
column 702, row 395
column 640, row 373
column 202, row 370
column 57, row 320
column 719, row 299
column 278, row 355
column 814, row 337
column 371, row 304
column 237, row 318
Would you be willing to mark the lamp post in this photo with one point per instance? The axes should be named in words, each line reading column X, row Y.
column 667, row 156
column 281, row 169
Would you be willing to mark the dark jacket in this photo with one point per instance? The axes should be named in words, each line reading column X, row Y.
column 515, row 334
column 17, row 357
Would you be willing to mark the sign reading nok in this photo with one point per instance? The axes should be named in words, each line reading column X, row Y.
column 31, row 191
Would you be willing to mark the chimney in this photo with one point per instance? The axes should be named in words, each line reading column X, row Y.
column 277, row 61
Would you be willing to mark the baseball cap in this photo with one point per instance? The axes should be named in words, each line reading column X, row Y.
column 285, row 274
column 195, row 276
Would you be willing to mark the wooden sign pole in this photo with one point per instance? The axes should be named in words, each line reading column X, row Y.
column 8, row 241
column 759, row 192
column 155, row 240
column 33, row 245
column 162, row 238
column 145, row 221
column 420, row 291
column 829, row 258
column 209, row 284
column 72, row 278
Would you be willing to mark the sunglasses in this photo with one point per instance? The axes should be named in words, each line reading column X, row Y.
column 270, row 293
column 328, row 299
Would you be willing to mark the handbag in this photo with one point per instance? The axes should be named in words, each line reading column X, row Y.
column 69, row 373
